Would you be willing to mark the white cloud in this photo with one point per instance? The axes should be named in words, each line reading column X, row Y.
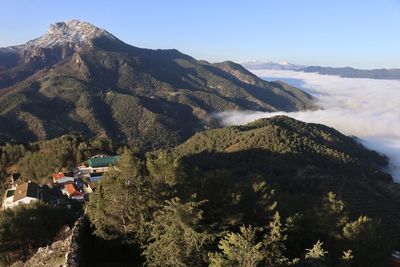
column 366, row 108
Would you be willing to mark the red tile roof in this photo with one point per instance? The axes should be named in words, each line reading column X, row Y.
column 58, row 176
column 71, row 190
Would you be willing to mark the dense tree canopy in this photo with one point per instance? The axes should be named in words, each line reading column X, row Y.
column 119, row 206
column 271, row 193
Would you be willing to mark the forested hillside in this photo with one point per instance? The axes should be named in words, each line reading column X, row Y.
column 77, row 78
column 276, row 192
column 268, row 190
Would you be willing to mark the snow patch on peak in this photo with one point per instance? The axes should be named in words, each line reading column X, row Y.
column 72, row 32
column 284, row 65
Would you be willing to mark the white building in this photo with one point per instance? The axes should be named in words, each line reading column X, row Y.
column 8, row 198
column 23, row 194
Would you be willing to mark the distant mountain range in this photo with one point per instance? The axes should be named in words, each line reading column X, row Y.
column 258, row 65
column 343, row 72
column 77, row 78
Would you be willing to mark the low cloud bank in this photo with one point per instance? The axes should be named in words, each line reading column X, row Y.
column 366, row 108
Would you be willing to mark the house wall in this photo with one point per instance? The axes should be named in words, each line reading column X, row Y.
column 78, row 197
column 7, row 202
column 81, row 172
column 65, row 180
column 25, row 200
column 99, row 170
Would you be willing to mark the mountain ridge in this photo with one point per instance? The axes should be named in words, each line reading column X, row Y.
column 347, row 72
column 103, row 87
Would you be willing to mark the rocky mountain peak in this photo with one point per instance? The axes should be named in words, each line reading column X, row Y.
column 72, row 32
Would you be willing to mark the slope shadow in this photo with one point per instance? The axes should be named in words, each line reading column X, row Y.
column 99, row 252
column 302, row 178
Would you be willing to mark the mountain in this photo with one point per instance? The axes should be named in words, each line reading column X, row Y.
column 77, row 78
column 259, row 65
column 343, row 72
column 356, row 73
column 303, row 161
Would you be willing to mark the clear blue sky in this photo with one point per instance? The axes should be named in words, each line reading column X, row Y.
column 359, row 33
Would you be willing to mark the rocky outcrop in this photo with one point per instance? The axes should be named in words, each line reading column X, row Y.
column 65, row 252
column 73, row 256
column 72, row 33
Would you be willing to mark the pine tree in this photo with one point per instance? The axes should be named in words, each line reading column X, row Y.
column 177, row 237
column 238, row 249
column 368, row 241
column 315, row 256
column 120, row 205
column 245, row 249
column 274, row 244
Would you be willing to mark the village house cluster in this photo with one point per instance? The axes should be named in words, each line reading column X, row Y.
column 75, row 185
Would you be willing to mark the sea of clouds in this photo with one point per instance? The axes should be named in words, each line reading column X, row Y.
column 366, row 108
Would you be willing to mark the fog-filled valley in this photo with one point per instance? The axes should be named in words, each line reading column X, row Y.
column 365, row 108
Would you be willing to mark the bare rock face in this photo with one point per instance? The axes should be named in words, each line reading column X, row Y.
column 58, row 44
column 72, row 33
column 42, row 57
column 65, row 252
column 61, row 41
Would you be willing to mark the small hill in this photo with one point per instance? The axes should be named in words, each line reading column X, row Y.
column 301, row 160
column 78, row 78
column 282, row 135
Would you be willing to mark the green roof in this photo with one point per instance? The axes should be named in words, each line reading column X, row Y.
column 102, row 162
